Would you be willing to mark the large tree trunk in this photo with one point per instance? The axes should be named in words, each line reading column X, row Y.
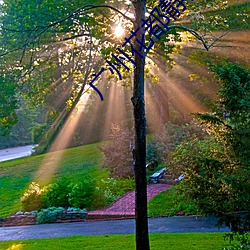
column 139, row 152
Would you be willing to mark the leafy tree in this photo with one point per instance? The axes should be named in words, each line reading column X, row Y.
column 118, row 156
column 217, row 168
column 8, row 105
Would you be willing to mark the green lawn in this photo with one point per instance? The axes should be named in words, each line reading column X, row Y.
column 16, row 175
column 169, row 202
column 172, row 241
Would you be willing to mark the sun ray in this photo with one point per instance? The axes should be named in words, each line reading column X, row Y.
column 51, row 162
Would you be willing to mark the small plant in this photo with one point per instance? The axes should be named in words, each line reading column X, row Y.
column 76, row 210
column 103, row 195
column 48, row 215
column 243, row 242
column 109, row 189
column 33, row 197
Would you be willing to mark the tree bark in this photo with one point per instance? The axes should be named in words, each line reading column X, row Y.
column 139, row 151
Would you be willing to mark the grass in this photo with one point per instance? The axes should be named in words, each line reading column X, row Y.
column 169, row 203
column 16, row 175
column 170, row 241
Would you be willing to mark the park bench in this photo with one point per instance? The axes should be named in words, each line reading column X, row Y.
column 155, row 177
column 182, row 176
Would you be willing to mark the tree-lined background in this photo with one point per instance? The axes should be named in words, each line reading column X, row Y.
column 195, row 87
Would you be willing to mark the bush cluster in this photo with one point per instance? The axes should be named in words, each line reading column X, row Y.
column 61, row 193
column 162, row 144
column 89, row 194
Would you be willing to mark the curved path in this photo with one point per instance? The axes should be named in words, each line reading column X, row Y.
column 17, row 152
column 156, row 225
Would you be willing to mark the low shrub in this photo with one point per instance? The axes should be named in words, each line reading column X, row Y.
column 103, row 193
column 73, row 209
column 57, row 193
column 81, row 194
column 33, row 198
column 123, row 185
column 48, row 215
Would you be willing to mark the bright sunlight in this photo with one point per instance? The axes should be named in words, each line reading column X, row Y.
column 119, row 31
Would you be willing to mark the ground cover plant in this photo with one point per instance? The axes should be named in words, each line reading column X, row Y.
column 172, row 241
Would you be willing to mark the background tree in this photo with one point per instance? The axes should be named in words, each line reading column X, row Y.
column 8, row 105
column 118, row 156
column 217, row 168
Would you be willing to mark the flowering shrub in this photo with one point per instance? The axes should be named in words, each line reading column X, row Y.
column 33, row 197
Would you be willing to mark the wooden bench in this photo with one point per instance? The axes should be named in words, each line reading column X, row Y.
column 155, row 177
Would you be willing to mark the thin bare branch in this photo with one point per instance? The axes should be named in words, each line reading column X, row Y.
column 218, row 38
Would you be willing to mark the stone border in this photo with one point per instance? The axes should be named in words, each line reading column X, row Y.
column 30, row 219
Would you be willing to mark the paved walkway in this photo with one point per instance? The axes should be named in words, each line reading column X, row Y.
column 125, row 206
column 156, row 225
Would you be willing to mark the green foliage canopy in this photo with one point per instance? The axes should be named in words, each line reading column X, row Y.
column 8, row 105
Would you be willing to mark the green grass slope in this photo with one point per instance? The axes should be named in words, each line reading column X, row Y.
column 16, row 175
column 169, row 202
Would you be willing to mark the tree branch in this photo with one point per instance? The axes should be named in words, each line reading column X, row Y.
column 112, row 8
column 194, row 33
column 42, row 29
column 76, row 12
